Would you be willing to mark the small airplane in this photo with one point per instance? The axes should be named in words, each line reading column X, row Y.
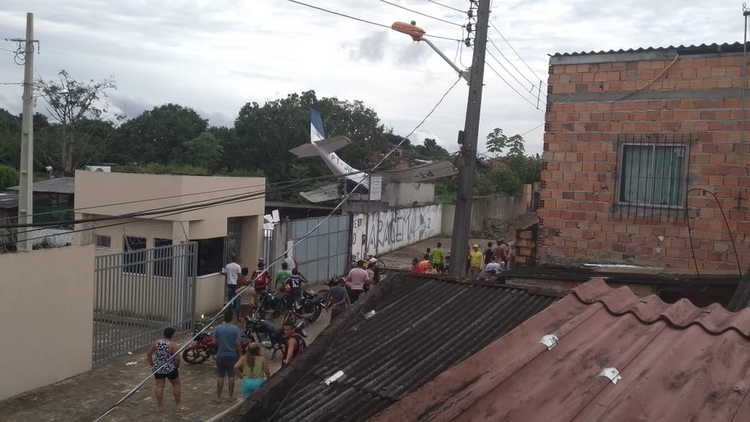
column 352, row 180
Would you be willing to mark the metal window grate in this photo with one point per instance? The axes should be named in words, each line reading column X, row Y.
column 652, row 176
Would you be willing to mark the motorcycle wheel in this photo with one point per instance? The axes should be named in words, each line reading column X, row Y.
column 194, row 356
column 316, row 315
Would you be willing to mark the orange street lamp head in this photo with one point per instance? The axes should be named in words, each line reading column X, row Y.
column 416, row 33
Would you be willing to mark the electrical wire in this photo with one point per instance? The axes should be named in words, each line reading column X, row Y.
column 343, row 15
column 533, row 84
column 489, row 53
column 514, row 50
column 726, row 223
column 137, row 201
column 511, row 86
column 421, row 14
column 239, row 293
column 533, row 129
column 448, row 7
column 330, row 346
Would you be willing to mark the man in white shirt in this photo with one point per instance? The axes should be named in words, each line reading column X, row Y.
column 291, row 263
column 232, row 272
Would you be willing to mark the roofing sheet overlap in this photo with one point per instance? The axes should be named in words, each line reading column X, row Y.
column 677, row 363
column 423, row 327
column 683, row 49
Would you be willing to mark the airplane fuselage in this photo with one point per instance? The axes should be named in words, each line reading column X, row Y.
column 342, row 170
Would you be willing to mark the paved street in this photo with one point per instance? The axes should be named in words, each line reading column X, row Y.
column 85, row 397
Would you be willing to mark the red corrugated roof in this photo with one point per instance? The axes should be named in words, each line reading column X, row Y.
column 677, row 363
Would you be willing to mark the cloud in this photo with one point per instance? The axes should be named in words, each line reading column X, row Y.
column 369, row 48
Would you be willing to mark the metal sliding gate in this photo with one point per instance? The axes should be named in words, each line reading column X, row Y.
column 139, row 293
column 327, row 251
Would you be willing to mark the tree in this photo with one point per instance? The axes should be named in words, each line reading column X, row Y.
column 202, row 151
column 70, row 103
column 8, row 177
column 431, row 150
column 497, row 142
column 163, row 135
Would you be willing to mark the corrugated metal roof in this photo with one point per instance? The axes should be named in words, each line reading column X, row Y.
column 8, row 200
column 677, row 363
column 681, row 49
column 56, row 185
column 422, row 327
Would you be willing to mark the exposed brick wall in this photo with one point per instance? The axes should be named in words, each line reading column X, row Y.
column 526, row 246
column 590, row 107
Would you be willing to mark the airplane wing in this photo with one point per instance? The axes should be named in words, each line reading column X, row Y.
column 325, row 193
column 328, row 145
column 421, row 173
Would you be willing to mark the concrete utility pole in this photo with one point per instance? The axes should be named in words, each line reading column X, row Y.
column 25, row 200
column 462, row 219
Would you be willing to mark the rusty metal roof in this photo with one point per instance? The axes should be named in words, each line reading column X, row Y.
column 676, row 362
column 681, row 49
column 422, row 326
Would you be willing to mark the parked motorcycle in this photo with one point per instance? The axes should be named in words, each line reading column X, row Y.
column 268, row 335
column 204, row 345
column 271, row 303
column 311, row 305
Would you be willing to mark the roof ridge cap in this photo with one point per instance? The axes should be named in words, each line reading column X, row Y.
column 714, row 319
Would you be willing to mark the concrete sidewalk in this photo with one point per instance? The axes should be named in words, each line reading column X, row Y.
column 85, row 397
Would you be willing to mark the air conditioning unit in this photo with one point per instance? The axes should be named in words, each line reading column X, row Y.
column 105, row 169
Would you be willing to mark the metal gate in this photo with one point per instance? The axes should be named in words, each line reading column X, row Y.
column 139, row 293
column 326, row 252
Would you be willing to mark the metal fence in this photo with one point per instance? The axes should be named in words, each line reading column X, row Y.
column 327, row 251
column 268, row 244
column 139, row 293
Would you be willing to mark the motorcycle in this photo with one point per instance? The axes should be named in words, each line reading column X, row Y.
column 271, row 303
column 268, row 335
column 311, row 304
column 204, row 345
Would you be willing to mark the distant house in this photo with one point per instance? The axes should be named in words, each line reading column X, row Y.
column 644, row 157
column 598, row 354
column 407, row 331
column 53, row 200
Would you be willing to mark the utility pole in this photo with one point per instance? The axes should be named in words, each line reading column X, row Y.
column 25, row 200
column 462, row 219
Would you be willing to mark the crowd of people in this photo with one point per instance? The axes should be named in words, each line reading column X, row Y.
column 480, row 264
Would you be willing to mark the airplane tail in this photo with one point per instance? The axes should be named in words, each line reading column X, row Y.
column 316, row 127
column 318, row 140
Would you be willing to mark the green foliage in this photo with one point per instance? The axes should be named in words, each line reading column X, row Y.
column 497, row 142
column 8, row 177
column 202, row 151
column 158, row 168
column 431, row 150
column 165, row 135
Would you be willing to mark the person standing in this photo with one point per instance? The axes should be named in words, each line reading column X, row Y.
column 251, row 369
column 165, row 366
column 291, row 263
column 437, row 258
column 295, row 344
column 248, row 298
column 357, row 279
column 261, row 280
column 232, row 272
column 228, row 337
column 282, row 276
column 488, row 254
column 338, row 299
column 476, row 259
column 295, row 283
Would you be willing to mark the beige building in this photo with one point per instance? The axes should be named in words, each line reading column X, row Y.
column 220, row 228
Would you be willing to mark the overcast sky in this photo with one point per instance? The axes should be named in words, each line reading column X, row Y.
column 216, row 55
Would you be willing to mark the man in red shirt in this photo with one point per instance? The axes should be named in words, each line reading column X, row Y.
column 261, row 279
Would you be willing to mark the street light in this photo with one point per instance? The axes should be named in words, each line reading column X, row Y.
column 417, row 34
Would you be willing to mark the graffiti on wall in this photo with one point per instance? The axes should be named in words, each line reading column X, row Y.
column 381, row 232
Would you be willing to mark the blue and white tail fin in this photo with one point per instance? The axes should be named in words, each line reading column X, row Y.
column 318, row 142
column 316, row 127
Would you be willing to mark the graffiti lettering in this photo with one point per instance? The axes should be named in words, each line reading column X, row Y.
column 389, row 230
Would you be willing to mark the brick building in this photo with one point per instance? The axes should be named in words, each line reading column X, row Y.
column 636, row 143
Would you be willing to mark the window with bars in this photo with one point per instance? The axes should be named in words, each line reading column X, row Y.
column 135, row 256
column 162, row 257
column 653, row 174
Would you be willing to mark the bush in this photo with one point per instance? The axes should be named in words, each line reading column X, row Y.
column 9, row 177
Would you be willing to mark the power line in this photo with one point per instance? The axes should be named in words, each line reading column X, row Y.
column 533, row 129
column 421, row 14
column 509, row 84
column 505, row 68
column 533, row 84
column 447, row 7
column 514, row 50
column 343, row 15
